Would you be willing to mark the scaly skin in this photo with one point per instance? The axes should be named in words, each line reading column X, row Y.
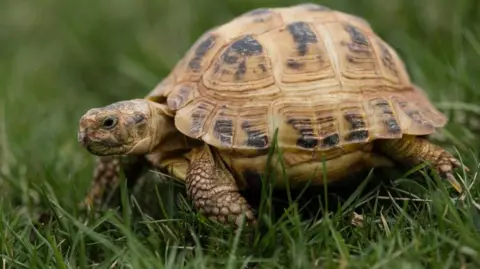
column 214, row 190
column 412, row 150
column 106, row 177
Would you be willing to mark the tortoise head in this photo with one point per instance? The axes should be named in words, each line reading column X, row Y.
column 127, row 127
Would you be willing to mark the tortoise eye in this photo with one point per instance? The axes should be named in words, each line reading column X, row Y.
column 109, row 122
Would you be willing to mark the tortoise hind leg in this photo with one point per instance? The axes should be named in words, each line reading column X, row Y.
column 214, row 191
column 106, row 178
column 413, row 150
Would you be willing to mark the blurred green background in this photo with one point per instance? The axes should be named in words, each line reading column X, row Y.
column 60, row 58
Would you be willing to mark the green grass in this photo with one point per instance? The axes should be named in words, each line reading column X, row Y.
column 59, row 58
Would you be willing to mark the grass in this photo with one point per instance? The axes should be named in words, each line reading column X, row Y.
column 59, row 58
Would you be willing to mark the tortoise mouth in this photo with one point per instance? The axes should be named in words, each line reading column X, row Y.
column 101, row 147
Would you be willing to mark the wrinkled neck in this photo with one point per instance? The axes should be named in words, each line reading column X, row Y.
column 161, row 125
column 167, row 139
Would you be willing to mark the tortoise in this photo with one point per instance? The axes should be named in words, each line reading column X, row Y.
column 317, row 82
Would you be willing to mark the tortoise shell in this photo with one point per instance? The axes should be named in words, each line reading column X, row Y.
column 322, row 77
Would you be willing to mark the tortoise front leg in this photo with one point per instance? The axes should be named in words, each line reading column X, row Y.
column 214, row 191
column 106, row 177
column 412, row 150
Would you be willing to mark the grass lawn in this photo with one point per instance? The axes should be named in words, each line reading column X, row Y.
column 60, row 58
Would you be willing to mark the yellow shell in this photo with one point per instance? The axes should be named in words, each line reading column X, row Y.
column 322, row 77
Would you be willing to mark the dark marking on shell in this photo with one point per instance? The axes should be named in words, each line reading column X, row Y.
column 417, row 117
column 245, row 46
column 384, row 106
column 216, row 68
column 359, row 42
column 302, row 35
column 262, row 66
column 256, row 138
column 356, row 36
column 226, row 72
column 242, row 69
column 387, row 58
column 357, row 130
column 327, row 129
column 199, row 116
column 389, row 120
column 237, row 53
column 258, row 11
column 307, row 137
column 200, row 52
column 223, row 131
column 414, row 114
column 230, row 59
column 294, row 64
column 392, row 126
column 313, row 7
column 356, row 121
column 330, row 141
column 357, row 136
column 178, row 101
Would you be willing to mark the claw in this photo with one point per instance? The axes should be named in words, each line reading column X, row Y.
column 454, row 182
column 457, row 164
column 445, row 170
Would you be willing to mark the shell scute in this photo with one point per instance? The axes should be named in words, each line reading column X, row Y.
column 306, row 126
column 383, row 120
column 253, row 133
column 181, row 95
column 355, row 125
column 327, row 126
column 356, row 56
column 414, row 120
column 240, row 70
column 223, row 131
column 221, row 127
column 304, row 56
column 256, row 134
column 227, row 127
column 192, row 119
